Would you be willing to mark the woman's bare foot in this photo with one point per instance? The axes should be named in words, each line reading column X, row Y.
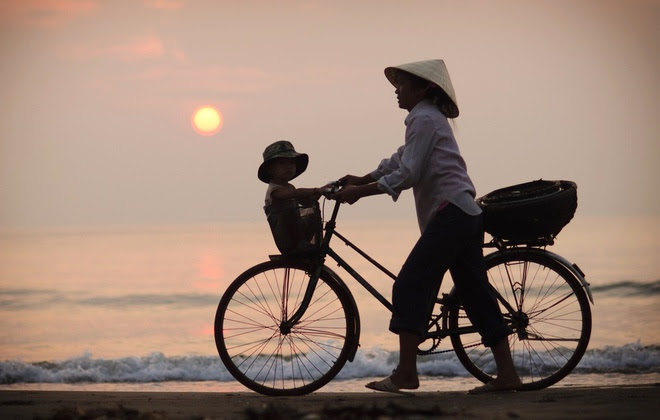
column 498, row 385
column 404, row 380
column 506, row 383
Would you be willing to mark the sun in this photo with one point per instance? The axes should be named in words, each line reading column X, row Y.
column 207, row 120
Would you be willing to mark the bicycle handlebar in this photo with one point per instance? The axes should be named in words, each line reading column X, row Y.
column 334, row 186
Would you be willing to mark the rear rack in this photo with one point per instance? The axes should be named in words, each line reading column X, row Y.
column 513, row 243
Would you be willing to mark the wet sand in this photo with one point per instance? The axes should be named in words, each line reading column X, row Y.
column 629, row 402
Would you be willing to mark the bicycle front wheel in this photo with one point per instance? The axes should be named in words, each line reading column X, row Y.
column 551, row 319
column 284, row 361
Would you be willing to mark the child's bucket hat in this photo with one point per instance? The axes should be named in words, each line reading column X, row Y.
column 434, row 71
column 282, row 149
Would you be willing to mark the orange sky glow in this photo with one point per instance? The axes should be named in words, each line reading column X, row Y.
column 547, row 89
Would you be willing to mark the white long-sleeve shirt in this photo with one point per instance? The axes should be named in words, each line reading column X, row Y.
column 430, row 163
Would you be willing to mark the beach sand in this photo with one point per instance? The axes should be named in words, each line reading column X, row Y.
column 629, row 402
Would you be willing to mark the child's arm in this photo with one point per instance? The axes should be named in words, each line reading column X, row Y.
column 287, row 193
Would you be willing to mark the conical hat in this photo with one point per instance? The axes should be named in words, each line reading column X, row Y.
column 432, row 70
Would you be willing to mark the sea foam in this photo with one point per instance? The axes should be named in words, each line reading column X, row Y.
column 632, row 358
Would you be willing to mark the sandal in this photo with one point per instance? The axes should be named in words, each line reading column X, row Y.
column 386, row 385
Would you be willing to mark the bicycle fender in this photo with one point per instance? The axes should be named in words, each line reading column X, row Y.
column 573, row 268
column 341, row 283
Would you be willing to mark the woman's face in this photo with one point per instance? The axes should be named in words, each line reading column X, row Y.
column 408, row 93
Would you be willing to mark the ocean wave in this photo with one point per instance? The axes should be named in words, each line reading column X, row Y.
column 155, row 367
column 628, row 288
column 27, row 299
column 631, row 358
column 375, row 362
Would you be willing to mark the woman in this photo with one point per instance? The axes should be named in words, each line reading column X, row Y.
column 430, row 163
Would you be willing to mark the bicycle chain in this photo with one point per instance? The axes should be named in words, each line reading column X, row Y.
column 450, row 350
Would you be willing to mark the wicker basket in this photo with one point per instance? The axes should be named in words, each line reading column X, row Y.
column 296, row 225
column 530, row 211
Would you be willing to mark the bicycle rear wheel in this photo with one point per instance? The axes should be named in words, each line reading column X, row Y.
column 278, row 361
column 551, row 321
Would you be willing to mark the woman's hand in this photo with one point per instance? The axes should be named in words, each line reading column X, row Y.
column 356, row 180
column 352, row 193
column 349, row 194
column 355, row 187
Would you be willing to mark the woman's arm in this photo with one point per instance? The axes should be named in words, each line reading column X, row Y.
column 356, row 180
column 420, row 140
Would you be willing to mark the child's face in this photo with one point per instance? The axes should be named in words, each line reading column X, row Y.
column 282, row 169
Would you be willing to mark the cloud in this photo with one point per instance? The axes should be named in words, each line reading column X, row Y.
column 240, row 79
column 44, row 13
column 222, row 79
column 165, row 4
column 147, row 47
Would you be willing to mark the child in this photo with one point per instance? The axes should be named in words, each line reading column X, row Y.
column 290, row 210
column 282, row 164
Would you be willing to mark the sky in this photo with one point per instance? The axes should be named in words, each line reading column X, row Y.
column 97, row 98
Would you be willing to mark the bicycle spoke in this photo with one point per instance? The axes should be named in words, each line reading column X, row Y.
column 254, row 303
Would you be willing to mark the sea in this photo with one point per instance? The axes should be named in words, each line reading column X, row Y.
column 132, row 308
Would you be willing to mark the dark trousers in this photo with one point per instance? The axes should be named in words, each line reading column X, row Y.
column 453, row 241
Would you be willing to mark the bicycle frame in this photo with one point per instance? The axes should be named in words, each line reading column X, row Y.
column 325, row 250
column 319, row 262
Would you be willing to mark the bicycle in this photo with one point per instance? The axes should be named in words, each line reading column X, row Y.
column 288, row 325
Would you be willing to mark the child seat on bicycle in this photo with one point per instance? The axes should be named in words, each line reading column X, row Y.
column 293, row 213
